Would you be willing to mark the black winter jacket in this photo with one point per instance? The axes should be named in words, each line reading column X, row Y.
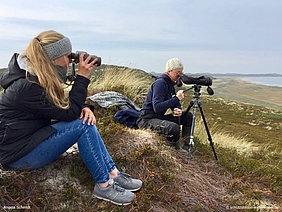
column 26, row 112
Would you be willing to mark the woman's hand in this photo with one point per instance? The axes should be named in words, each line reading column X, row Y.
column 87, row 114
column 84, row 67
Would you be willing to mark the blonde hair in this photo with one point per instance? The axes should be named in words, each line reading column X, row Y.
column 45, row 69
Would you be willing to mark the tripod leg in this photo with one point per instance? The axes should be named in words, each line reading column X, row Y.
column 207, row 130
column 189, row 145
column 191, row 140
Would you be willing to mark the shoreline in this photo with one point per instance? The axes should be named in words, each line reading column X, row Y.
column 261, row 83
column 245, row 78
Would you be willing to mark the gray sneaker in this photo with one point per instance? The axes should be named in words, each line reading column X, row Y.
column 114, row 193
column 125, row 181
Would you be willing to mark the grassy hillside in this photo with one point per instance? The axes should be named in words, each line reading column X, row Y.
column 246, row 176
column 243, row 91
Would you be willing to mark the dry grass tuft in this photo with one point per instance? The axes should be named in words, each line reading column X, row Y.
column 226, row 140
column 132, row 83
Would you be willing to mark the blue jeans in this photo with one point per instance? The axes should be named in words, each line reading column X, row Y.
column 90, row 144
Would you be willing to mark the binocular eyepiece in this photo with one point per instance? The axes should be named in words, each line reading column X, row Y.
column 75, row 57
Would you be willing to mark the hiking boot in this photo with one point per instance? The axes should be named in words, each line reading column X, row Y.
column 177, row 146
column 127, row 182
column 183, row 151
column 113, row 193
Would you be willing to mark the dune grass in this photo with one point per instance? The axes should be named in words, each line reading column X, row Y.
column 133, row 83
column 240, row 144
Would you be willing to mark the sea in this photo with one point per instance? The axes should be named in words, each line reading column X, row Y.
column 263, row 80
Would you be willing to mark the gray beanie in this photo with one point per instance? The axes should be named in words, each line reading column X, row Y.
column 58, row 49
column 173, row 63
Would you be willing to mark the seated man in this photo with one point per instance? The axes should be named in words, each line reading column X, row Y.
column 162, row 96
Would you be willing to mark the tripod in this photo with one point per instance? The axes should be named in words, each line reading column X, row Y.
column 195, row 102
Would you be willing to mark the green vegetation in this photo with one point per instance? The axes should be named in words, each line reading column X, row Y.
column 248, row 173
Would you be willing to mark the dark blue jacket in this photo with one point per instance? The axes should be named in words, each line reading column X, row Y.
column 26, row 112
column 161, row 96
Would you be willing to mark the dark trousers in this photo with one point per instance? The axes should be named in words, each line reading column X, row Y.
column 168, row 125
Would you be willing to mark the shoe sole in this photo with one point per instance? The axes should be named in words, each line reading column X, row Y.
column 112, row 201
column 135, row 189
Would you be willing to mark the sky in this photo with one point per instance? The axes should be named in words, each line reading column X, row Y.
column 208, row 36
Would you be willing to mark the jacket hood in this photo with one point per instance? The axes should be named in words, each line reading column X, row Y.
column 12, row 73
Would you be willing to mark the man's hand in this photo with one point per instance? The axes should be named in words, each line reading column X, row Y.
column 177, row 112
column 180, row 94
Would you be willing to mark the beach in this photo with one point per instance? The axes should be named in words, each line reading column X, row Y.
column 265, row 80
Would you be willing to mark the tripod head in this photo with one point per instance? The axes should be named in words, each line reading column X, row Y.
column 197, row 89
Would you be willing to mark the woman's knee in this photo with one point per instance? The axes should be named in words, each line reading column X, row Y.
column 63, row 124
